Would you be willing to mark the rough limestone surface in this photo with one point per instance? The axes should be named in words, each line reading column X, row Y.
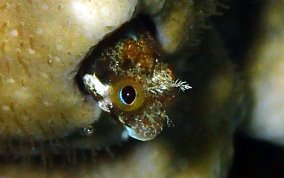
column 41, row 45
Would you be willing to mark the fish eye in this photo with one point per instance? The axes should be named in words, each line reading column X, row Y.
column 127, row 95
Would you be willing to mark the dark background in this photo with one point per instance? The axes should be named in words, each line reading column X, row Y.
column 253, row 158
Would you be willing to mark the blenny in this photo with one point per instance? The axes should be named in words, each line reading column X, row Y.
column 127, row 79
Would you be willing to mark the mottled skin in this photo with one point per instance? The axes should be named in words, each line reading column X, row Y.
column 133, row 60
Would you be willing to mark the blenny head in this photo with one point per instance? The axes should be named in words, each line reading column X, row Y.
column 127, row 79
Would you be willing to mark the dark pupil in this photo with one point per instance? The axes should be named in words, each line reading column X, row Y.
column 128, row 95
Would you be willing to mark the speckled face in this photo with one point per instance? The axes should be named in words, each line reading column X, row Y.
column 129, row 80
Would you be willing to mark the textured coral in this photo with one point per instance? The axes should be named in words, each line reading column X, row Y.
column 42, row 43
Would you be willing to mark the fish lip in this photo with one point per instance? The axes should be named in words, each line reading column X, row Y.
column 132, row 133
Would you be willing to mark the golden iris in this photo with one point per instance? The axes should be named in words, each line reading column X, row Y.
column 127, row 95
